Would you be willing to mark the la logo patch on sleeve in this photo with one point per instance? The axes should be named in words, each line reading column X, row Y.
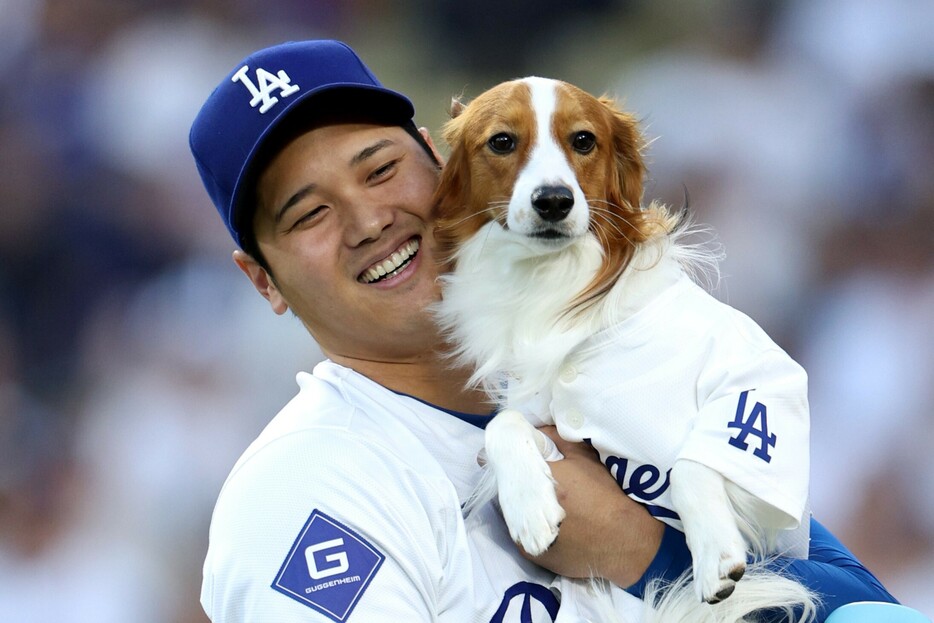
column 329, row 567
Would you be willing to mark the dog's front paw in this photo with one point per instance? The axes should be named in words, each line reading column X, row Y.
column 717, row 546
column 719, row 563
column 530, row 508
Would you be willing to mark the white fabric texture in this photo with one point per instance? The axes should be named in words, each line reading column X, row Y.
column 392, row 470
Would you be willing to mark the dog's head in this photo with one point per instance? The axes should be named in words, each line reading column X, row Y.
column 548, row 162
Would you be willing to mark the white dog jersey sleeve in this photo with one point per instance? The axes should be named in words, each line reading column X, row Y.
column 690, row 377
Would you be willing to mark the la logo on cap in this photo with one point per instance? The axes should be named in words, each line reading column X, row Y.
column 268, row 82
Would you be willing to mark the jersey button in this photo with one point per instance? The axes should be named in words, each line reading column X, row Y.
column 574, row 418
column 568, row 373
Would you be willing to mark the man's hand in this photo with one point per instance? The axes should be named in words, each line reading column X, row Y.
column 605, row 533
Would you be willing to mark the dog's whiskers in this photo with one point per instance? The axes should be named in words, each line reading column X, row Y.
column 607, row 221
column 494, row 206
column 613, row 213
column 604, row 219
column 601, row 236
column 604, row 202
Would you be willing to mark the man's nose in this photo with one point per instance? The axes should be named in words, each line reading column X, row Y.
column 368, row 220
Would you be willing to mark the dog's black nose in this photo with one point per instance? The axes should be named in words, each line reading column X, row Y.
column 552, row 202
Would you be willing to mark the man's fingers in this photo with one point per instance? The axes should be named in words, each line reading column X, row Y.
column 548, row 447
column 564, row 447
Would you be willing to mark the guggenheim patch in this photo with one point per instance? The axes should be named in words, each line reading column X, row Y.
column 329, row 567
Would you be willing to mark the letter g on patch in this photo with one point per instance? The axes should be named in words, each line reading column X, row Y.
column 340, row 558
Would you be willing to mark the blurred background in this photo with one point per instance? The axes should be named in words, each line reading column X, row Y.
column 136, row 363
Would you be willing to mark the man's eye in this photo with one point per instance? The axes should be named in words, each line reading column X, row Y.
column 583, row 142
column 310, row 216
column 502, row 143
column 382, row 171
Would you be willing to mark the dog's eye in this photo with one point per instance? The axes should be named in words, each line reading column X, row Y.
column 584, row 142
column 502, row 143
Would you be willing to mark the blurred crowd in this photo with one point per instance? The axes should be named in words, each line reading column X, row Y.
column 136, row 363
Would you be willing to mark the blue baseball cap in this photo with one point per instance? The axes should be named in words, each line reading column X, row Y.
column 306, row 78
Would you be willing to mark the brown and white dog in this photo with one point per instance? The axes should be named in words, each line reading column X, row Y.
column 540, row 210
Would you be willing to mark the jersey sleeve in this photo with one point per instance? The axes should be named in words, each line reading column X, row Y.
column 753, row 421
column 321, row 526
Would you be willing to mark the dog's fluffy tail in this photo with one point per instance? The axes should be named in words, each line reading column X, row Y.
column 760, row 589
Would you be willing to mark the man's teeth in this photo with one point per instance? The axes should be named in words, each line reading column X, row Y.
column 392, row 264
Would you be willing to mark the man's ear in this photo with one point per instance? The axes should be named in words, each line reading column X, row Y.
column 261, row 280
column 434, row 150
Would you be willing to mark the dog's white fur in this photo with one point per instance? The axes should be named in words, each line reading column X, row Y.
column 506, row 307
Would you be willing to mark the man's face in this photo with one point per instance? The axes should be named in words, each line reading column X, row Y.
column 337, row 207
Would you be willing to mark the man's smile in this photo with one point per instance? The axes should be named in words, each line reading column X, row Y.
column 392, row 265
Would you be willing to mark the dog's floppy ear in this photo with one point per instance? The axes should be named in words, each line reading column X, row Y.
column 452, row 196
column 626, row 184
column 453, row 188
column 624, row 196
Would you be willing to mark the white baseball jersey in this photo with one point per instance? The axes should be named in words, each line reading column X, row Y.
column 348, row 508
column 686, row 376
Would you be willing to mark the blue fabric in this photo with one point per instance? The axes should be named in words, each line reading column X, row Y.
column 671, row 560
column 874, row 612
column 478, row 420
column 831, row 570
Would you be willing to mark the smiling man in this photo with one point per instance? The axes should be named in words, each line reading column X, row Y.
column 342, row 213
column 347, row 507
